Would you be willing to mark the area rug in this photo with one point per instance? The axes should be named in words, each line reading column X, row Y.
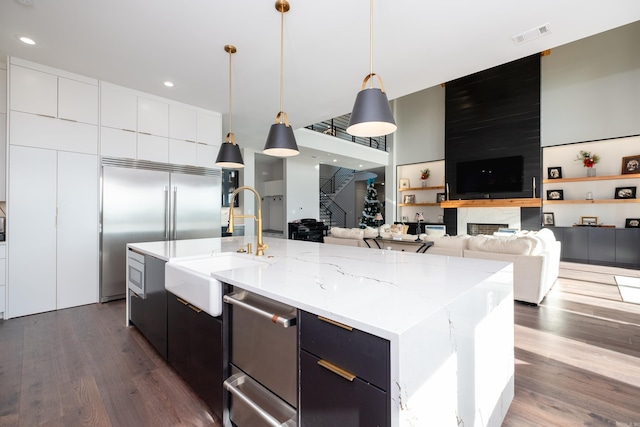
column 629, row 288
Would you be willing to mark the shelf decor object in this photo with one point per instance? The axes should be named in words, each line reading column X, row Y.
column 371, row 115
column 419, row 217
column 378, row 219
column 631, row 164
column 548, row 218
column 409, row 199
column 625, row 193
column 403, row 183
column 589, row 220
column 554, row 172
column 441, row 197
column 281, row 142
column 632, row 223
column 229, row 156
column 424, row 175
column 555, row 194
column 588, row 160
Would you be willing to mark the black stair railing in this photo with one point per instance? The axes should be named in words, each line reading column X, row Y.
column 331, row 213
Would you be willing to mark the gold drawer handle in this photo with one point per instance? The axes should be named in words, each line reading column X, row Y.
column 338, row 324
column 336, row 370
column 182, row 301
column 194, row 308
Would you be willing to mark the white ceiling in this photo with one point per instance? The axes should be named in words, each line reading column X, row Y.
column 417, row 44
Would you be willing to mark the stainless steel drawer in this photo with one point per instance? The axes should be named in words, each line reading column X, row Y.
column 358, row 352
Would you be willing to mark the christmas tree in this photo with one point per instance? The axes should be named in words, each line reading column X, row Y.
column 371, row 206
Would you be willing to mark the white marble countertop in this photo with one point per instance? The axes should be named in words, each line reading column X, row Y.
column 379, row 291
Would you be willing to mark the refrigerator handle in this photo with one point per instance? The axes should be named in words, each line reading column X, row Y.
column 166, row 212
column 175, row 222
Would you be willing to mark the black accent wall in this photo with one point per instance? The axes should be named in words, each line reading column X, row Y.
column 491, row 114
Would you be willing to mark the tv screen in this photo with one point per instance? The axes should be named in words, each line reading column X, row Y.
column 501, row 175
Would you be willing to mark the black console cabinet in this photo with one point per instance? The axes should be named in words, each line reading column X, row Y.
column 617, row 247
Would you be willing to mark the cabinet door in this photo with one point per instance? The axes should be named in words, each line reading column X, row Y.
column 77, row 101
column 209, row 128
column 576, row 244
column 178, row 335
column 117, row 143
column 182, row 123
column 327, row 399
column 206, row 359
column 206, row 155
column 154, row 148
column 33, row 91
column 118, row 107
column 602, row 245
column 3, row 91
column 182, row 152
column 32, row 252
column 77, row 237
column 156, row 304
column 627, row 244
column 153, row 117
column 3, row 157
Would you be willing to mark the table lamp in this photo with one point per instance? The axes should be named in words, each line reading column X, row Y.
column 378, row 218
column 419, row 218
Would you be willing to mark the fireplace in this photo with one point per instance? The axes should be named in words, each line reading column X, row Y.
column 474, row 228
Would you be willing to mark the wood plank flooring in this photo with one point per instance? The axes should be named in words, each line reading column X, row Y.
column 577, row 364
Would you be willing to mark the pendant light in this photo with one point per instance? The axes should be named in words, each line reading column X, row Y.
column 281, row 142
column 229, row 156
column 371, row 115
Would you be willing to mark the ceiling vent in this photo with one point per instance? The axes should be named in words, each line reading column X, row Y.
column 531, row 34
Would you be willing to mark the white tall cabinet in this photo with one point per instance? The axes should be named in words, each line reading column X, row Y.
column 53, row 190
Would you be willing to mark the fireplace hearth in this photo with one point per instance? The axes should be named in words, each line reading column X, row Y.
column 474, row 229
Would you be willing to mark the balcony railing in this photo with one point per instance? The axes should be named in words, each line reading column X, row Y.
column 337, row 127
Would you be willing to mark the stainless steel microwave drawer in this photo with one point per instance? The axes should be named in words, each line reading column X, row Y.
column 358, row 352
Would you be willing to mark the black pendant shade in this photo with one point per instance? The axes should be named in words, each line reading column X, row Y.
column 371, row 115
column 229, row 156
column 281, row 142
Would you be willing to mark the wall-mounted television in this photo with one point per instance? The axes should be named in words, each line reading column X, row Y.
column 486, row 176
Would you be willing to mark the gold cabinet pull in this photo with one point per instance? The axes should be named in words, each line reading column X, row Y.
column 182, row 301
column 194, row 308
column 338, row 324
column 336, row 370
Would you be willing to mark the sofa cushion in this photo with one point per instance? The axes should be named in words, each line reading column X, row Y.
column 452, row 242
column 370, row 232
column 347, row 233
column 505, row 245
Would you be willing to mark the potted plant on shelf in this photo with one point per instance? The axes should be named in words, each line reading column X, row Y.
column 424, row 175
column 588, row 160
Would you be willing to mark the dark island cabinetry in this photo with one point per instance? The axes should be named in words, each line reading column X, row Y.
column 344, row 375
column 195, row 350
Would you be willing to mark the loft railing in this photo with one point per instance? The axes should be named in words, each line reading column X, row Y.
column 337, row 127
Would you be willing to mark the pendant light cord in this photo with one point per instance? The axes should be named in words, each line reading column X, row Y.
column 230, row 98
column 371, row 41
column 281, row 58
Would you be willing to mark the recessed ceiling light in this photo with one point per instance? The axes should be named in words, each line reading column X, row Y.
column 335, row 160
column 27, row 40
column 168, row 83
column 359, row 166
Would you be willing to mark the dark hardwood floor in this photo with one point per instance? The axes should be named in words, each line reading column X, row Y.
column 577, row 364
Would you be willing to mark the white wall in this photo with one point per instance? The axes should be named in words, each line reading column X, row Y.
column 302, row 185
column 3, row 130
column 420, row 120
column 590, row 88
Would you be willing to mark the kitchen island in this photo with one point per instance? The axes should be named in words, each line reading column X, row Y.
column 448, row 320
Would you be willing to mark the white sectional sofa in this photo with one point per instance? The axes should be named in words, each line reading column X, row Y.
column 535, row 255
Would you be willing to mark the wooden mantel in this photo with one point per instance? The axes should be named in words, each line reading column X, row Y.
column 493, row 203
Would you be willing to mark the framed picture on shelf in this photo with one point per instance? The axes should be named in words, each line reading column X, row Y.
column 555, row 195
column 632, row 223
column 625, row 193
column 554, row 172
column 440, row 197
column 548, row 219
column 588, row 220
column 403, row 183
column 409, row 199
column 631, row 164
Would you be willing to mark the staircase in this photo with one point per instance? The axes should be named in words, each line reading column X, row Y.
column 331, row 213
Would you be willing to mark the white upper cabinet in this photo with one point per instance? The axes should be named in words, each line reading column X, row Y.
column 182, row 123
column 206, row 155
column 153, row 148
column 77, row 101
column 153, row 117
column 119, row 107
column 3, row 90
column 209, row 128
column 46, row 94
column 34, row 91
column 182, row 152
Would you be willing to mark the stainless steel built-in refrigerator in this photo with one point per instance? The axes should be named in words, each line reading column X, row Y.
column 146, row 202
